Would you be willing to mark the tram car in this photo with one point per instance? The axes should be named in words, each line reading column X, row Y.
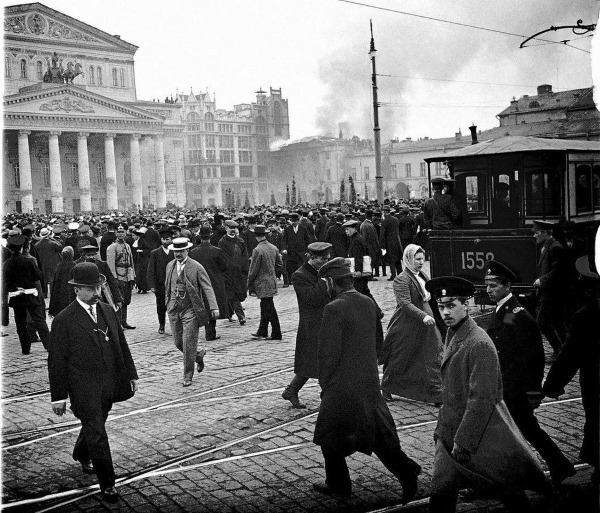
column 501, row 186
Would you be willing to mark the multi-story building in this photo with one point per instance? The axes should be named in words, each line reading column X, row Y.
column 229, row 150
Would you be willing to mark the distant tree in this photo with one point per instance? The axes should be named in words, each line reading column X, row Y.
column 247, row 200
column 366, row 193
column 293, row 196
column 238, row 200
column 273, row 201
column 342, row 190
column 352, row 197
column 299, row 199
column 287, row 195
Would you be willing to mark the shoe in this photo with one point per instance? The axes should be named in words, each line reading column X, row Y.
column 110, row 495
column 558, row 475
column 387, row 397
column 275, row 338
column 242, row 321
column 161, row 329
column 230, row 319
column 323, row 487
column 286, row 285
column 216, row 337
column 26, row 352
column 294, row 399
column 187, row 382
column 372, row 278
column 200, row 360
column 256, row 335
column 410, row 485
column 87, row 467
column 128, row 326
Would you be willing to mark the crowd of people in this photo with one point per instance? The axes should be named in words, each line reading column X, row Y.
column 202, row 266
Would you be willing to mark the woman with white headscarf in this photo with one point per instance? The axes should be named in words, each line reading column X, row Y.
column 412, row 350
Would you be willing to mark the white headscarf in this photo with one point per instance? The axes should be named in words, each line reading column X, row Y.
column 408, row 259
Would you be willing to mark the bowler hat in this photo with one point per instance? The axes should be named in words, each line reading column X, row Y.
column 205, row 231
column 336, row 268
column 180, row 243
column 495, row 269
column 260, row 229
column 89, row 247
column 294, row 217
column 450, row 286
column 165, row 233
column 340, row 217
column 86, row 274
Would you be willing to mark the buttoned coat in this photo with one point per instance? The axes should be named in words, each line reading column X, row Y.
column 111, row 256
column 552, row 269
column 412, row 350
column 389, row 238
column 236, row 254
column 213, row 261
column 441, row 213
column 474, row 416
column 197, row 286
column 357, row 250
column 352, row 412
column 265, row 262
column 336, row 236
column 321, row 228
column 369, row 235
column 312, row 296
column 296, row 243
column 157, row 269
column 75, row 358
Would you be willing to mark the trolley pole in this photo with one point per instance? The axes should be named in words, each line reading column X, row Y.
column 376, row 130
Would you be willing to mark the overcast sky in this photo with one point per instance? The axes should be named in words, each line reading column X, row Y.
column 446, row 76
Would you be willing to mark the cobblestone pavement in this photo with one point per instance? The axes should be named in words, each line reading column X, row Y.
column 227, row 443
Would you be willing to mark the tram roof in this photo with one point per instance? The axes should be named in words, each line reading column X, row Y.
column 517, row 144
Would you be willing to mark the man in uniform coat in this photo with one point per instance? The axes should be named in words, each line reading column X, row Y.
column 475, row 438
column 295, row 241
column 353, row 415
column 518, row 341
column 21, row 281
column 157, row 273
column 312, row 296
column 336, row 236
column 389, row 240
column 89, row 362
column 215, row 264
column 440, row 211
column 120, row 261
column 236, row 254
column 263, row 282
column 551, row 285
column 49, row 252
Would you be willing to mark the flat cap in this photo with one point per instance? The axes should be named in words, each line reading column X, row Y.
column 352, row 223
column 450, row 286
column 89, row 247
column 340, row 217
column 494, row 269
column 543, row 225
column 319, row 247
column 231, row 224
column 336, row 268
column 582, row 264
column 16, row 241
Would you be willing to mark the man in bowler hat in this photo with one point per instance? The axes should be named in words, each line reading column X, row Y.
column 89, row 363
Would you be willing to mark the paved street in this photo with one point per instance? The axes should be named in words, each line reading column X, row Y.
column 227, row 443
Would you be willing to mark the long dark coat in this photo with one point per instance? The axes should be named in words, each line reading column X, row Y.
column 352, row 411
column 213, row 261
column 62, row 292
column 296, row 243
column 49, row 252
column 236, row 277
column 412, row 351
column 369, row 235
column 141, row 254
column 389, row 238
column 321, row 228
column 581, row 351
column 152, row 238
column 336, row 236
column 312, row 296
column 75, row 359
column 552, row 269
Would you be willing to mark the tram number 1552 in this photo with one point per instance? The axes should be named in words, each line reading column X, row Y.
column 475, row 259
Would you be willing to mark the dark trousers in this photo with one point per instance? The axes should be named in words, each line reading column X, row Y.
column 38, row 316
column 550, row 319
column 395, row 263
column 362, row 286
column 268, row 314
column 161, row 308
column 291, row 266
column 92, row 444
column 296, row 384
column 523, row 415
column 210, row 329
column 236, row 306
column 125, row 289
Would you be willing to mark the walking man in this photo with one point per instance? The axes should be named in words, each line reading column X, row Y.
column 353, row 415
column 389, row 238
column 264, row 264
column 311, row 292
column 295, row 241
column 235, row 251
column 89, row 363
column 120, row 262
column 157, row 274
column 190, row 302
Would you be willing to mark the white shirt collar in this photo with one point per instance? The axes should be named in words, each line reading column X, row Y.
column 86, row 307
column 502, row 301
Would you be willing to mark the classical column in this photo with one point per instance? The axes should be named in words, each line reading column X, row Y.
column 179, row 172
column 136, row 170
column 110, row 168
column 25, row 171
column 56, row 192
column 83, row 163
column 159, row 175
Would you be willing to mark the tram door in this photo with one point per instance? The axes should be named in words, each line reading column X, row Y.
column 505, row 206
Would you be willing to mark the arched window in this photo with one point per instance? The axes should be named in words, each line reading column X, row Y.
column 92, row 75
column 23, row 68
column 534, row 105
column 115, row 80
column 193, row 117
column 39, row 68
column 99, row 75
column 209, row 125
column 211, row 189
column 122, row 77
column 6, row 66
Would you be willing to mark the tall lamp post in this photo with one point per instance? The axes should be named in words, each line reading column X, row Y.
column 376, row 130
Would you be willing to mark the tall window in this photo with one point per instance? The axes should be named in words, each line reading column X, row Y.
column 193, row 122
column 394, row 171
column 243, row 142
column 226, row 127
column 115, row 80
column 261, row 125
column 209, row 124
column 16, row 175
column 75, row 175
column 100, row 177
column 194, row 156
column 366, row 172
column 422, row 168
column 438, row 168
column 226, row 141
column 210, row 141
column 542, row 192
column 46, row 174
column 246, row 171
column 407, row 168
column 6, row 66
column 583, row 188
column 122, row 77
column 245, row 157
column 92, row 75
column 211, row 155
column 226, row 156
column 23, row 68
column 99, row 75
column 39, row 69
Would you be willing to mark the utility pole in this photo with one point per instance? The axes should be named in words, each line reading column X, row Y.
column 376, row 130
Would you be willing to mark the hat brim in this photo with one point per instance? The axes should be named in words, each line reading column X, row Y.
column 101, row 281
column 171, row 248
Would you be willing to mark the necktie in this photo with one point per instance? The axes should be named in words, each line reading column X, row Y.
column 92, row 313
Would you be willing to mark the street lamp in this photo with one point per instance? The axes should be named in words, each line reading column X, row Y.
column 376, row 130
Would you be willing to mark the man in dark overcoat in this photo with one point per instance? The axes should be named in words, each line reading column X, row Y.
column 152, row 236
column 89, row 363
column 389, row 240
column 357, row 250
column 215, row 264
column 311, row 292
column 369, row 235
column 219, row 229
column 320, row 225
column 336, row 236
column 157, row 273
column 295, row 241
column 236, row 254
column 107, row 239
column 353, row 415
column 49, row 251
column 551, row 284
column 440, row 211
column 518, row 341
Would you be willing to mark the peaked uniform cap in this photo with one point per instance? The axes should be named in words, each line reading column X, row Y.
column 450, row 286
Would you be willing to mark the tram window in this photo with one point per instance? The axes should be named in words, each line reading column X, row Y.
column 596, row 186
column 542, row 193
column 475, row 194
column 583, row 188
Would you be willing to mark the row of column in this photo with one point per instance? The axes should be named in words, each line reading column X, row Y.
column 110, row 169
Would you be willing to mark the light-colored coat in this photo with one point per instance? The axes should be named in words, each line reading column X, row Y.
column 265, row 261
column 198, row 288
column 111, row 257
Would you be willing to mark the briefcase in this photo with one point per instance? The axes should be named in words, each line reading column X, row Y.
column 367, row 271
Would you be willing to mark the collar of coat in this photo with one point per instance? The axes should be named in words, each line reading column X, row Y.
column 453, row 341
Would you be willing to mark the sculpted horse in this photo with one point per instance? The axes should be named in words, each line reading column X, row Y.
column 71, row 72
